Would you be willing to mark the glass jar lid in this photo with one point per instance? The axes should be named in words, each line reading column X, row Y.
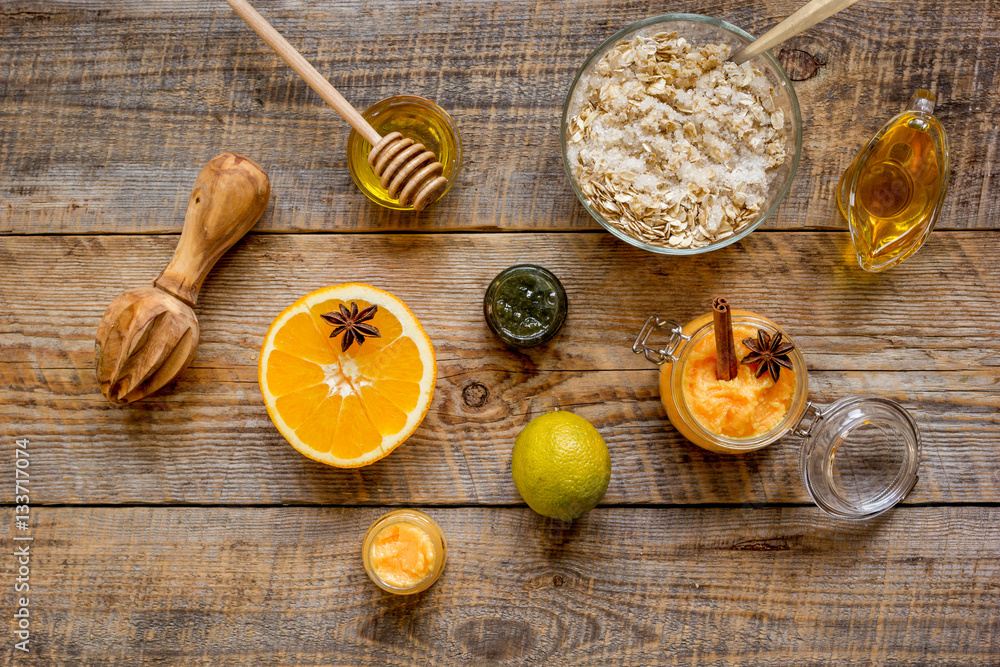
column 859, row 456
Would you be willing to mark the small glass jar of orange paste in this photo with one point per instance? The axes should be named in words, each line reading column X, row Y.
column 734, row 416
column 404, row 552
column 859, row 455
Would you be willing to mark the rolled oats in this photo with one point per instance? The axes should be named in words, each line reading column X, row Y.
column 672, row 143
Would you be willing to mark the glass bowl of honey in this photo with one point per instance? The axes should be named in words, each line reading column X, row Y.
column 415, row 118
column 859, row 455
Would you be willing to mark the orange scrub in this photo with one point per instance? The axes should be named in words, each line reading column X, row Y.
column 744, row 407
column 402, row 555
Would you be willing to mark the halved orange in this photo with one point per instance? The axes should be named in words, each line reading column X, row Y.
column 346, row 408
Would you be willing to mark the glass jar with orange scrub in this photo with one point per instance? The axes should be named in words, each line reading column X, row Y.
column 859, row 455
column 732, row 416
column 404, row 552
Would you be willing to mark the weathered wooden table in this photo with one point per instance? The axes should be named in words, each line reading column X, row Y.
column 184, row 530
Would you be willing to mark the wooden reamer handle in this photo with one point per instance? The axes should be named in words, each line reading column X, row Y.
column 302, row 67
column 229, row 196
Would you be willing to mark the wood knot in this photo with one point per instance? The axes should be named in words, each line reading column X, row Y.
column 475, row 394
column 558, row 581
column 774, row 544
column 799, row 64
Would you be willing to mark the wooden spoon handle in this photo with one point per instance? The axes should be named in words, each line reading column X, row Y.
column 804, row 18
column 302, row 67
column 228, row 198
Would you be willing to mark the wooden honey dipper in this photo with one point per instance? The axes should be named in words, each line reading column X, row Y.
column 408, row 171
column 149, row 335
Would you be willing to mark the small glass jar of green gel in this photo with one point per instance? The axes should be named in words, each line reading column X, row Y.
column 525, row 305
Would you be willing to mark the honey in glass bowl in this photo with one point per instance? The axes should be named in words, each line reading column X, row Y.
column 415, row 118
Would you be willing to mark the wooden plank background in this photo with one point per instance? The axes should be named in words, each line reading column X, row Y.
column 633, row 586
column 210, row 440
column 184, row 530
column 152, row 89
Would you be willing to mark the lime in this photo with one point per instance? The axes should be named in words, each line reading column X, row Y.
column 561, row 465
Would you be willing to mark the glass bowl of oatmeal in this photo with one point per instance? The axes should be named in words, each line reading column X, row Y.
column 674, row 149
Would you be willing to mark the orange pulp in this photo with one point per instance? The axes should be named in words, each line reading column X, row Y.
column 744, row 407
column 402, row 555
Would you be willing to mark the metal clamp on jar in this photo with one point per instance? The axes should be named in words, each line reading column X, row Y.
column 859, row 455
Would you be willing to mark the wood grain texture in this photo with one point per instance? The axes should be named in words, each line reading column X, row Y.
column 925, row 334
column 108, row 109
column 108, row 139
column 622, row 586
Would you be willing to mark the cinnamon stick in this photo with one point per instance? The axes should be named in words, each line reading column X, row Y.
column 726, row 364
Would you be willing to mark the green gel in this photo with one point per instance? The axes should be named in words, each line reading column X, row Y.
column 525, row 305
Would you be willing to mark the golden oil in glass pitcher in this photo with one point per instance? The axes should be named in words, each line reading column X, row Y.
column 416, row 118
column 892, row 193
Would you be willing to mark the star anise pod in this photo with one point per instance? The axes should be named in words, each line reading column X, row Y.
column 351, row 323
column 770, row 354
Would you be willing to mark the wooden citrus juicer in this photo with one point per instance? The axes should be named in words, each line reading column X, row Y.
column 149, row 335
column 408, row 171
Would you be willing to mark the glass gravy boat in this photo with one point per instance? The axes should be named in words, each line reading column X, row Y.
column 892, row 192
